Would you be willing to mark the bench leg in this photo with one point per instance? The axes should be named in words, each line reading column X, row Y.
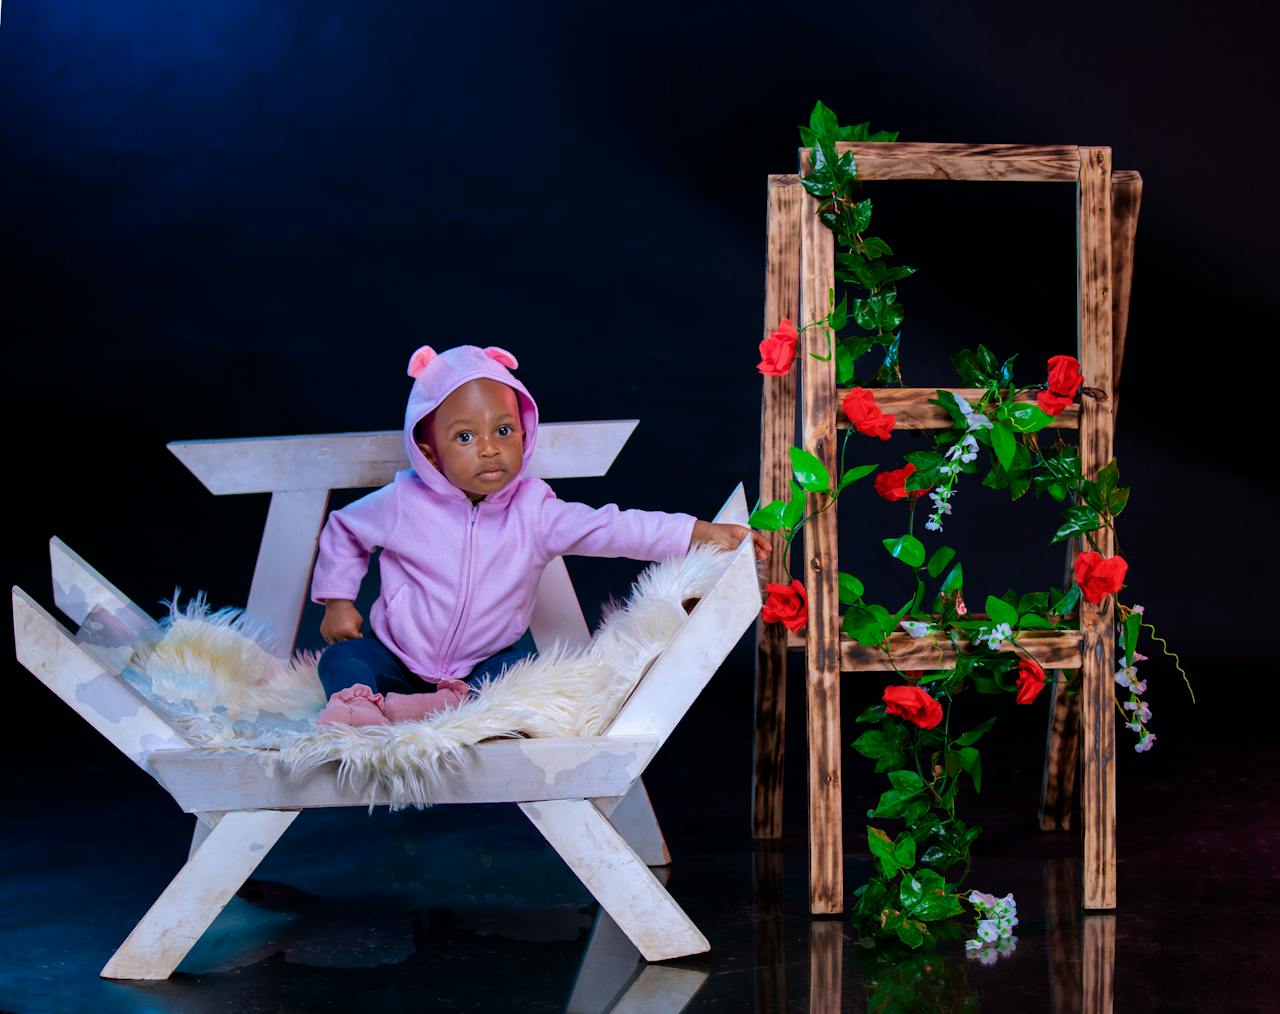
column 202, row 888
column 617, row 878
column 635, row 820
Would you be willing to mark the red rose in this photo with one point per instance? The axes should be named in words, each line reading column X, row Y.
column 1065, row 379
column 787, row 605
column 1097, row 577
column 861, row 408
column 778, row 350
column 1030, row 680
column 893, row 485
column 913, row 704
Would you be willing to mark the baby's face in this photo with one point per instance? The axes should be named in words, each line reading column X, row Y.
column 478, row 439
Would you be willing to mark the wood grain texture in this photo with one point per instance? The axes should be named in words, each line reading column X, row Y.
column 818, row 384
column 1053, row 649
column 912, row 411
column 1062, row 744
column 777, row 434
column 1099, row 960
column 1062, row 908
column 1126, row 201
column 1008, row 163
column 826, row 966
column 1096, row 621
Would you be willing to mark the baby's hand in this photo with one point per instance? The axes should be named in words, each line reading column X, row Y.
column 342, row 621
column 731, row 536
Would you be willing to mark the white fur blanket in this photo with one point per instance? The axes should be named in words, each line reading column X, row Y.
column 211, row 675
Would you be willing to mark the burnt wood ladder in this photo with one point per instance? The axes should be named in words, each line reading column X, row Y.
column 800, row 269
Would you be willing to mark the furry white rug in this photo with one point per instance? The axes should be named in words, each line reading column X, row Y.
column 210, row 673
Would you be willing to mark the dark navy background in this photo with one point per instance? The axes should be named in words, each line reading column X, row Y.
column 239, row 219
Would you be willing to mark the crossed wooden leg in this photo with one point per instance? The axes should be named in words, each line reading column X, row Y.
column 202, row 888
column 617, row 878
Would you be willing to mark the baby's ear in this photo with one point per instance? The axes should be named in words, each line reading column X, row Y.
column 502, row 356
column 419, row 360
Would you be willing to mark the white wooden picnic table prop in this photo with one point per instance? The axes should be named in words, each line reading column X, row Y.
column 583, row 794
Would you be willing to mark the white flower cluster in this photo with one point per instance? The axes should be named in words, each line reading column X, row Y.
column 916, row 629
column 996, row 919
column 960, row 453
column 989, row 954
column 1140, row 713
column 996, row 637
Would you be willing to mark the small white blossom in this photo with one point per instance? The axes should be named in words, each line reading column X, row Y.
column 985, row 900
column 932, row 525
column 916, row 629
column 1126, row 675
column 1147, row 741
column 987, row 931
column 995, row 638
column 1142, row 711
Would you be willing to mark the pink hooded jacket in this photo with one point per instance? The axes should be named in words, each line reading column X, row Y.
column 458, row 579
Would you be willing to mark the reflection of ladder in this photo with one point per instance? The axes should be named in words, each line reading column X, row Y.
column 801, row 260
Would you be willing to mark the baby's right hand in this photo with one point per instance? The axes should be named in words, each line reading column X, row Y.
column 342, row 621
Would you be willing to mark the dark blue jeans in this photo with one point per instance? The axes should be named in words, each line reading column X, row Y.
column 367, row 660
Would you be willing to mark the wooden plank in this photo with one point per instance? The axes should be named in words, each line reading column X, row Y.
column 818, row 384
column 1062, row 905
column 78, row 590
column 282, row 575
column 617, row 878
column 358, row 460
column 1002, row 163
column 557, row 614
column 87, row 686
column 499, row 771
column 777, row 434
column 687, row 664
column 1053, row 649
column 769, row 924
column 1062, row 745
column 202, row 888
column 910, row 406
column 1096, row 621
column 1126, row 200
column 632, row 814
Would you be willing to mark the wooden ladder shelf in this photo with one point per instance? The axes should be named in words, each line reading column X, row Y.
column 800, row 270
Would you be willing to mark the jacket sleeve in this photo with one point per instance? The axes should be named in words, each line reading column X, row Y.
column 347, row 541
column 575, row 529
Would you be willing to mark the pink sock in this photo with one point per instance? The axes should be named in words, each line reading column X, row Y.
column 415, row 707
column 357, row 705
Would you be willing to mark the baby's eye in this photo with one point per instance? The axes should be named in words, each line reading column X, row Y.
column 463, row 438
column 505, row 431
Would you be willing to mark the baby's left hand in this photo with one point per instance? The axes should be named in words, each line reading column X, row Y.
column 731, row 536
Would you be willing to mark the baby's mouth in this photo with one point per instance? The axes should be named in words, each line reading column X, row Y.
column 491, row 473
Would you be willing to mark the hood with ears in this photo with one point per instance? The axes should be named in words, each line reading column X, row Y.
column 435, row 377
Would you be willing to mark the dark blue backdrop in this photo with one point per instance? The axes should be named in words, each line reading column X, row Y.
column 237, row 219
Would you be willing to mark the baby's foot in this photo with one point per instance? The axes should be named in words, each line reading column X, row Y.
column 357, row 705
column 415, row 707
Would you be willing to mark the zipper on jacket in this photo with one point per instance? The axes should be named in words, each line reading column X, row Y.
column 468, row 565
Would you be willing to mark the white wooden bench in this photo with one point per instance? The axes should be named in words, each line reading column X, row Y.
column 584, row 795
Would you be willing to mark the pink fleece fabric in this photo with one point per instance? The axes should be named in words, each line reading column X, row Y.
column 458, row 579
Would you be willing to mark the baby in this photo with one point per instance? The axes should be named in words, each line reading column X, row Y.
column 465, row 535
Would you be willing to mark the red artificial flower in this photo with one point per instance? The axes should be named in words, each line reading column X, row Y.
column 861, row 408
column 893, row 485
column 1099, row 578
column 1065, row 379
column 1030, row 680
column 787, row 605
column 913, row 704
column 778, row 350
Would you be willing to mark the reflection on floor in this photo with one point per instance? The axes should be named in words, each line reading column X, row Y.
column 467, row 909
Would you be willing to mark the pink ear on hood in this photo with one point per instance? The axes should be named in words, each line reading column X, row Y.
column 502, row 356
column 419, row 360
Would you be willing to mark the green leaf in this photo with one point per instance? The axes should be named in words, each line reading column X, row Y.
column 884, row 618
column 767, row 519
column 1028, row 417
column 1079, row 519
column 794, row 510
column 810, row 473
column 861, row 624
column 975, row 734
column 904, row 852
column 911, row 934
column 874, row 246
column 966, row 365
column 861, row 215
column 1004, row 443
column 906, row 781
column 839, row 315
column 874, row 744
column 875, row 713
column 1132, row 627
column 954, row 581
column 850, row 589
column 891, row 804
column 823, row 121
column 971, row 761
column 844, row 364
column 906, row 548
column 854, row 474
column 1001, row 612
column 942, row 556
column 1067, row 602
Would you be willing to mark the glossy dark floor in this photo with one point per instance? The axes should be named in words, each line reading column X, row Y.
column 466, row 909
